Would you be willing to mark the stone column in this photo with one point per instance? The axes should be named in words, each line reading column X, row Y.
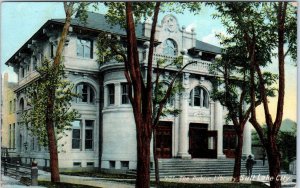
column 247, row 142
column 183, row 122
column 219, row 127
column 105, row 93
column 118, row 99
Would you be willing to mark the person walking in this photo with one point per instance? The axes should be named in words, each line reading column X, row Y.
column 249, row 165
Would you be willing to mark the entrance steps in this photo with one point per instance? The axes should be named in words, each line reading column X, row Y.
column 204, row 168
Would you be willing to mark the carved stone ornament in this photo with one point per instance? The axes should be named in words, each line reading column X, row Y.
column 170, row 23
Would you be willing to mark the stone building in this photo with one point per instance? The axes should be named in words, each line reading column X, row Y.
column 105, row 133
column 8, row 114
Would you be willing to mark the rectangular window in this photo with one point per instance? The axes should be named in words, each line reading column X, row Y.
column 76, row 164
column 111, row 94
column 112, row 164
column 89, row 126
column 84, row 48
column 10, row 107
column 34, row 63
column 76, row 134
column 90, row 164
column 124, row 165
column 14, row 105
column 22, row 72
column 125, row 99
column 52, row 50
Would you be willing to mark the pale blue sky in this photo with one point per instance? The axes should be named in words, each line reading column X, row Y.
column 20, row 20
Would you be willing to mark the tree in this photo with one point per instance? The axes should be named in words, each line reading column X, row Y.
column 140, row 89
column 36, row 94
column 70, row 8
column 231, row 88
column 265, row 27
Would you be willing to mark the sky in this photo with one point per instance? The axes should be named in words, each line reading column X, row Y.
column 20, row 20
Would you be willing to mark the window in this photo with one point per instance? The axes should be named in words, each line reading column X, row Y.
column 84, row 48
column 89, row 125
column 76, row 164
column 22, row 72
column 112, row 164
column 90, row 164
column 125, row 99
column 21, row 104
column 52, row 50
column 76, row 134
column 14, row 105
column 111, row 94
column 199, row 97
column 86, row 93
column 170, row 47
column 34, row 63
column 124, row 165
column 10, row 107
column 83, row 134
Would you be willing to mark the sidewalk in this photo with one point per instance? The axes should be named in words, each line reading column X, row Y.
column 8, row 182
column 96, row 182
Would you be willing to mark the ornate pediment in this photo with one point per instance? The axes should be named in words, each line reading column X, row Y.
column 170, row 24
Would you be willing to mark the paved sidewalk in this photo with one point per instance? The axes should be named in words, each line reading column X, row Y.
column 96, row 182
column 8, row 182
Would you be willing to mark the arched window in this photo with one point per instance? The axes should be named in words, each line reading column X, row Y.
column 170, row 47
column 86, row 93
column 199, row 97
column 21, row 104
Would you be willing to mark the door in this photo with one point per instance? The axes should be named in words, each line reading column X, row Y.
column 164, row 140
column 229, row 141
column 202, row 143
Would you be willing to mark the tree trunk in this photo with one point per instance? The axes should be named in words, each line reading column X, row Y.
column 155, row 159
column 274, row 163
column 51, row 139
column 237, row 161
column 143, row 160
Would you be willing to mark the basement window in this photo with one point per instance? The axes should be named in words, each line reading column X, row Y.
column 112, row 164
column 124, row 165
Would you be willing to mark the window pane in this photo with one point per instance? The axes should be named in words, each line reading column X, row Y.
column 125, row 99
column 75, row 144
column 79, row 48
column 76, row 133
column 76, row 124
column 92, row 95
column 89, row 123
column 111, row 94
column 89, row 134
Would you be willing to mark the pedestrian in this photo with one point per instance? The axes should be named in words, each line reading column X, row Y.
column 249, row 165
column 264, row 158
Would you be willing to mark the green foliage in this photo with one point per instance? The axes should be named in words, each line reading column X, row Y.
column 37, row 95
column 286, row 142
column 110, row 48
column 258, row 21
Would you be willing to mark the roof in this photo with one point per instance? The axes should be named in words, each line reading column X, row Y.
column 203, row 46
column 97, row 21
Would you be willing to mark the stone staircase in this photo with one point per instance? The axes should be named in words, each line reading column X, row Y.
column 205, row 167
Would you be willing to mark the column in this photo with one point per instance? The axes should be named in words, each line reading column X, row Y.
column 183, row 144
column 184, row 127
column 219, row 128
column 247, row 140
